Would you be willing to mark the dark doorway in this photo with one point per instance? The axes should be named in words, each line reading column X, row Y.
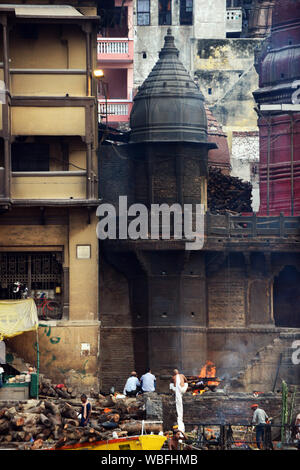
column 286, row 295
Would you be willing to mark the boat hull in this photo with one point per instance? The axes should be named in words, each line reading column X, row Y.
column 144, row 442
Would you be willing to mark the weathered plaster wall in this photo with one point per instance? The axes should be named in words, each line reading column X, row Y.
column 225, row 72
column 245, row 161
column 61, row 354
column 207, row 23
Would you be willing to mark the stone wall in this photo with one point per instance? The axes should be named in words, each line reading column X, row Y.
column 215, row 408
column 226, row 298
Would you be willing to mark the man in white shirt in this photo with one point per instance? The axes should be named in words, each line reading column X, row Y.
column 148, row 382
column 132, row 385
column 259, row 419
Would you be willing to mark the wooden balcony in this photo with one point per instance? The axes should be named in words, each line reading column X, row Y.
column 48, row 185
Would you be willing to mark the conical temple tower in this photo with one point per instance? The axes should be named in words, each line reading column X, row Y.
column 168, row 147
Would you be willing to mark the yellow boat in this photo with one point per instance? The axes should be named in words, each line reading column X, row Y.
column 142, row 442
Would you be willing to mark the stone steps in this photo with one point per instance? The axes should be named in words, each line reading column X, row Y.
column 271, row 364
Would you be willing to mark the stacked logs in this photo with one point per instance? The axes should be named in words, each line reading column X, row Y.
column 227, row 193
column 47, row 389
column 54, row 422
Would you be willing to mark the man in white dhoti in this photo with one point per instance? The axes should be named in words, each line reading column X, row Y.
column 179, row 385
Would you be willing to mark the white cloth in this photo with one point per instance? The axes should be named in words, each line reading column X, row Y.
column 148, row 382
column 259, row 416
column 131, row 384
column 179, row 391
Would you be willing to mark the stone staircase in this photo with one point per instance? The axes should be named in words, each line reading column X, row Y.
column 271, row 364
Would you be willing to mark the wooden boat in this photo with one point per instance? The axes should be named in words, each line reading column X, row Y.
column 142, row 442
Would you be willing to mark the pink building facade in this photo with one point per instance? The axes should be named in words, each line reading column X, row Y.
column 115, row 58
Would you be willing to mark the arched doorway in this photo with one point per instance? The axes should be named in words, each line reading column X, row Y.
column 286, row 296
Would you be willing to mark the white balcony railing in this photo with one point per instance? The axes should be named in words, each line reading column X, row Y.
column 111, row 46
column 115, row 109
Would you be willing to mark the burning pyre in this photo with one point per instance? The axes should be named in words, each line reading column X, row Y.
column 206, row 380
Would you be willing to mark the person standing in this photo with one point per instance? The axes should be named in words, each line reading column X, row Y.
column 179, row 385
column 148, row 382
column 86, row 410
column 1, row 372
column 259, row 420
column 132, row 386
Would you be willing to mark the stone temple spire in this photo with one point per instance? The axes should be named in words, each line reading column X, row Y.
column 168, row 107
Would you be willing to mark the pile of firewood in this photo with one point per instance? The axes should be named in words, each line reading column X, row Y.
column 227, row 193
column 54, row 422
column 47, row 389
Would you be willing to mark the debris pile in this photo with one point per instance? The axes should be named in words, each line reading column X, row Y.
column 227, row 193
column 54, row 422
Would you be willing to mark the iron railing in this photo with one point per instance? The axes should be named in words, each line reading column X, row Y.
column 227, row 436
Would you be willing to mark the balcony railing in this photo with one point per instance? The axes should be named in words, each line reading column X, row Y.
column 49, row 185
column 115, row 110
column 115, row 49
column 252, row 226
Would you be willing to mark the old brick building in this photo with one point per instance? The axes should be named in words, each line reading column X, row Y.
column 233, row 302
column 48, row 181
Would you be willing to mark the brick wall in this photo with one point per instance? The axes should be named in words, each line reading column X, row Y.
column 218, row 408
column 226, row 298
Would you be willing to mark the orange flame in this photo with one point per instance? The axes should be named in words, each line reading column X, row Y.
column 207, row 371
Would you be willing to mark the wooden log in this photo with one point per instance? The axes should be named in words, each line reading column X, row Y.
column 4, row 426
column 31, row 419
column 72, row 422
column 135, row 427
column 38, row 444
column 44, row 420
column 52, row 407
column 10, row 413
column 62, row 393
column 56, row 420
column 2, row 412
column 68, row 411
column 17, row 421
